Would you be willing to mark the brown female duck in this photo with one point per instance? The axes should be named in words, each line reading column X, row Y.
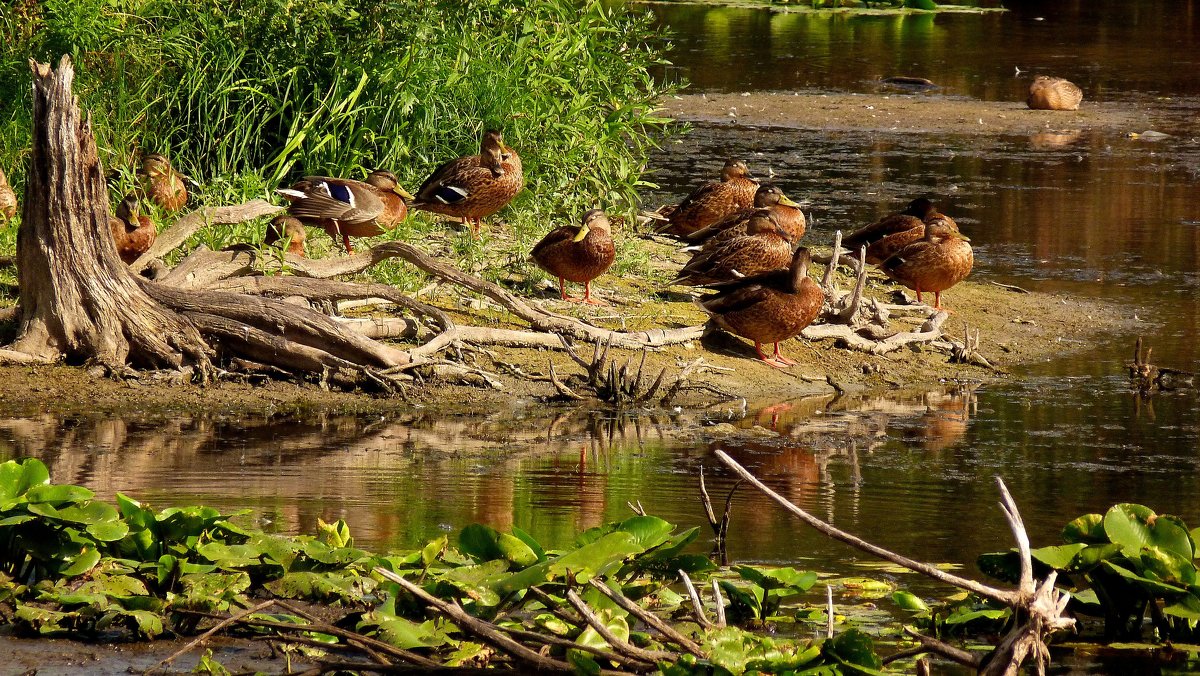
column 770, row 307
column 577, row 253
column 347, row 208
column 162, row 183
column 8, row 198
column 768, row 196
column 1053, row 93
column 290, row 230
column 893, row 232
column 474, row 186
column 936, row 262
column 763, row 248
column 712, row 202
column 133, row 232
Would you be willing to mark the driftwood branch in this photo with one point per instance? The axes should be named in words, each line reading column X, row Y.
column 1041, row 607
column 201, row 218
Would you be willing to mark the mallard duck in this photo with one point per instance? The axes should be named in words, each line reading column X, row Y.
column 768, row 196
column 133, row 232
column 347, row 208
column 8, row 198
column 289, row 228
column 712, row 202
column 162, row 183
column 1053, row 93
column 770, row 307
column 475, row 186
column 763, row 248
column 577, row 253
column 936, row 262
column 891, row 233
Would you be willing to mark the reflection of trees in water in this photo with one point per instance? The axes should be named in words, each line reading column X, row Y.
column 405, row 479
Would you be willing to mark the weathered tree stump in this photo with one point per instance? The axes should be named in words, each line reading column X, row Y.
column 77, row 299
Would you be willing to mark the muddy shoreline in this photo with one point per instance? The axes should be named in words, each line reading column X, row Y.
column 1016, row 328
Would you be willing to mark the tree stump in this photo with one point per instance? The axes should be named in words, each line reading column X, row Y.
column 78, row 300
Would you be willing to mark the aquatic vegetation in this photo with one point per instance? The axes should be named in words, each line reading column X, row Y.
column 75, row 566
column 1125, row 566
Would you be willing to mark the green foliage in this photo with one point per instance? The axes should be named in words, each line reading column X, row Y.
column 1120, row 564
column 148, row 571
column 281, row 88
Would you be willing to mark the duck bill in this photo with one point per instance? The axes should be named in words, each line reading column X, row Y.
column 783, row 199
column 961, row 236
column 583, row 232
column 404, row 194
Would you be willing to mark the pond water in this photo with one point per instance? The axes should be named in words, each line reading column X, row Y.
column 1089, row 214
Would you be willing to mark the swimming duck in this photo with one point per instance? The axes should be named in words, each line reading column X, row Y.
column 768, row 196
column 162, row 183
column 577, row 253
column 289, row 228
column 8, row 198
column 347, row 208
column 770, row 307
column 936, row 262
column 714, row 201
column 1053, row 93
column 475, row 186
column 133, row 232
column 763, row 248
column 891, row 233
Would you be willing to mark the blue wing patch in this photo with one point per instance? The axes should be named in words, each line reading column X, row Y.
column 450, row 194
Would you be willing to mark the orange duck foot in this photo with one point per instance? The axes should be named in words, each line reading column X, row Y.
column 782, row 359
column 769, row 361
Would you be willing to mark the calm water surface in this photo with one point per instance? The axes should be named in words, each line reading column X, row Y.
column 1088, row 214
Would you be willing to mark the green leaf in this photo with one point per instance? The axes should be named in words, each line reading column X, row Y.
column 648, row 531
column 910, row 602
column 431, row 551
column 1093, row 555
column 581, row 564
column 853, row 647
column 17, row 477
column 404, row 633
column 108, row 532
column 1088, row 529
column 81, row 564
column 1187, row 608
column 58, row 494
column 486, row 544
column 1136, row 526
column 530, row 542
column 1058, row 556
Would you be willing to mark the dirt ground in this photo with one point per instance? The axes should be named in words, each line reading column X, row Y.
column 903, row 112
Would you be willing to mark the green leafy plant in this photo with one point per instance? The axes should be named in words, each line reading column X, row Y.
column 1123, row 565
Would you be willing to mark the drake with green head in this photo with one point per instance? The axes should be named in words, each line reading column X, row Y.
column 346, row 208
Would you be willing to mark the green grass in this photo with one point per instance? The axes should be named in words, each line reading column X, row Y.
column 250, row 99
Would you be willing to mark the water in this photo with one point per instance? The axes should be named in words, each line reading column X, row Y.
column 1092, row 214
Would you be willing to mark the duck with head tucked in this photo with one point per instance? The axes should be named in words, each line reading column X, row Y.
column 893, row 232
column 713, row 201
column 764, row 247
column 8, row 198
column 1053, row 93
column 132, row 231
column 163, row 185
column 346, row 208
column 287, row 229
column 768, row 308
column 768, row 196
column 578, row 253
column 475, row 186
column 936, row 262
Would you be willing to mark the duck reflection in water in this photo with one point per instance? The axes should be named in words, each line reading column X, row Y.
column 945, row 421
